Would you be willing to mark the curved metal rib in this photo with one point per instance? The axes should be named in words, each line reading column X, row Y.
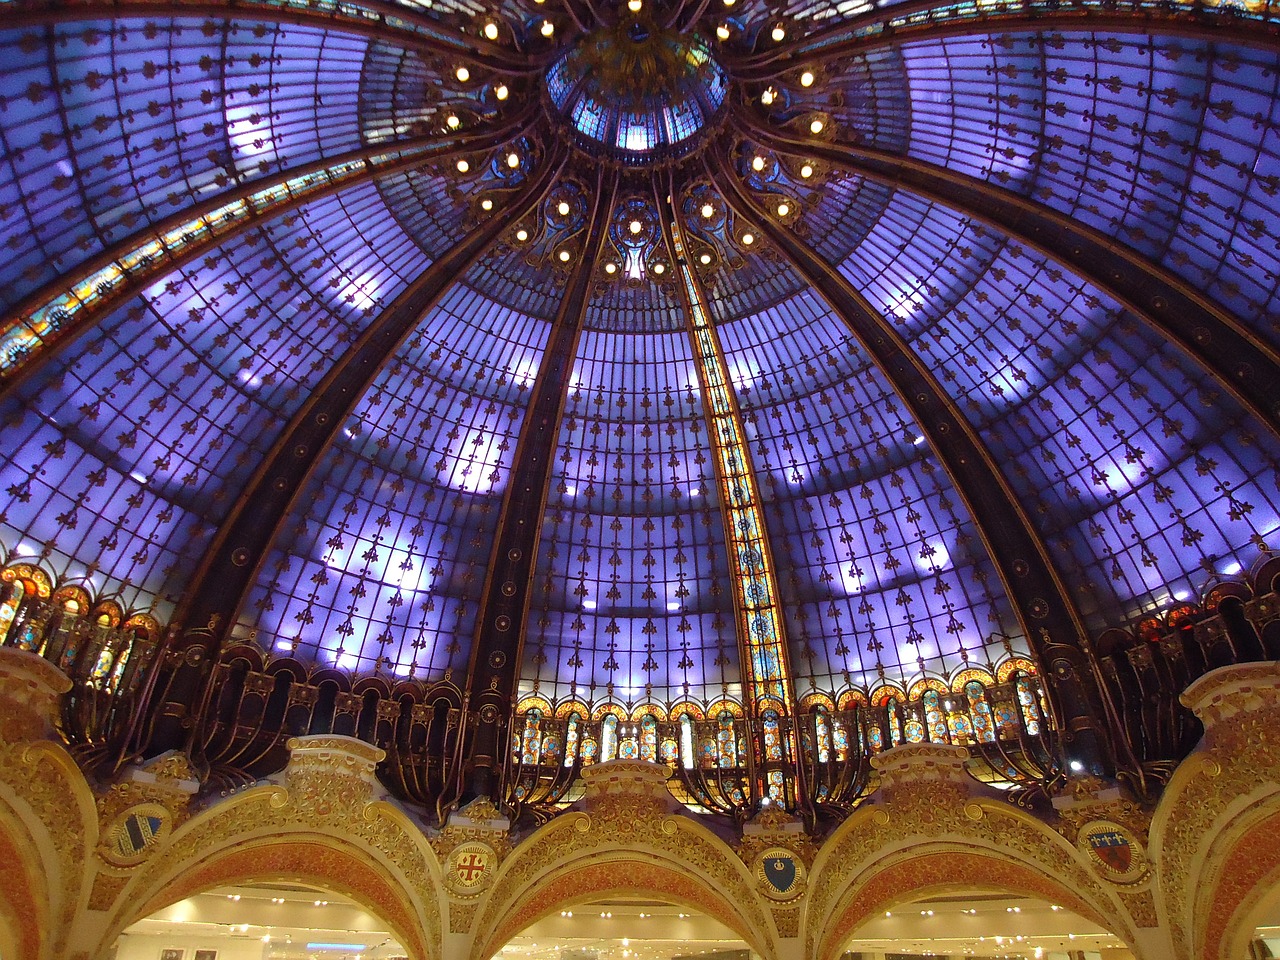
column 1042, row 602
column 56, row 314
column 229, row 565
column 1224, row 346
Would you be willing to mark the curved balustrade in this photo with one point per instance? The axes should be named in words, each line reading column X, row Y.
column 729, row 764
column 105, row 656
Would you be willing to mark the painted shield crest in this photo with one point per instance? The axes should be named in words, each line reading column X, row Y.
column 1112, row 849
column 780, row 874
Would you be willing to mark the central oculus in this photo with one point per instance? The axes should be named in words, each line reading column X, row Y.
column 637, row 93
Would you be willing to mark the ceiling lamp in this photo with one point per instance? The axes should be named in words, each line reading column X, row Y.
column 659, row 268
column 757, row 163
column 817, row 126
column 486, row 204
column 463, row 74
column 806, row 171
column 463, row 166
column 548, row 28
column 513, row 160
column 501, row 91
column 779, row 33
column 522, row 236
column 611, row 268
column 634, row 5
column 564, row 256
column 453, row 122
column 767, row 97
column 783, row 209
column 491, row 31
column 563, row 208
column 722, row 31
column 748, row 239
column 635, row 226
column 708, row 211
column 705, row 259
column 806, row 79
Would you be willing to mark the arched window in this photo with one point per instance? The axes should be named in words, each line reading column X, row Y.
column 822, row 733
column 609, row 738
column 984, row 727
column 532, row 741
column 933, row 716
column 726, row 741
column 1030, row 708
column 571, row 740
column 895, row 723
column 772, row 736
column 649, row 738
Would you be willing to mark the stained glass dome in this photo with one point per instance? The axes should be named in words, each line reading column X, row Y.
column 370, row 337
column 637, row 92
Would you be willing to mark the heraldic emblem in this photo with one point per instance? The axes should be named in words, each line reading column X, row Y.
column 470, row 868
column 780, row 874
column 1113, row 850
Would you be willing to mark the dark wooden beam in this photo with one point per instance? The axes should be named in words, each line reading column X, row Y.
column 1040, row 599
column 504, row 607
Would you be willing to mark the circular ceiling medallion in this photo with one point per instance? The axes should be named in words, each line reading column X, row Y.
column 637, row 93
column 470, row 868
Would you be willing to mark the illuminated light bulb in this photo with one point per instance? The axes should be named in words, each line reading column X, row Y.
column 757, row 164
column 453, row 122
column 610, row 268
column 564, row 256
column 705, row 259
column 659, row 269
column 635, row 226
column 486, row 204
column 783, row 209
column 748, row 239
column 708, row 211
column 463, row 74
column 806, row 79
column 767, row 97
column 491, row 31
column 522, row 236
column 500, row 91
column 817, row 126
column 806, row 171
column 634, row 5
column 722, row 32
column 563, row 209
column 463, row 166
column 548, row 28
column 513, row 160
column 779, row 33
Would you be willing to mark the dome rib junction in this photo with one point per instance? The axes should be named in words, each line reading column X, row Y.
column 604, row 358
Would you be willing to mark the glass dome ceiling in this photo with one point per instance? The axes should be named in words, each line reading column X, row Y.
column 637, row 92
column 921, row 348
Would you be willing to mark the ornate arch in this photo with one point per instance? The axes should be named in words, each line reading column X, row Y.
column 324, row 861
column 935, row 867
column 1241, row 877
column 24, row 909
column 610, row 873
